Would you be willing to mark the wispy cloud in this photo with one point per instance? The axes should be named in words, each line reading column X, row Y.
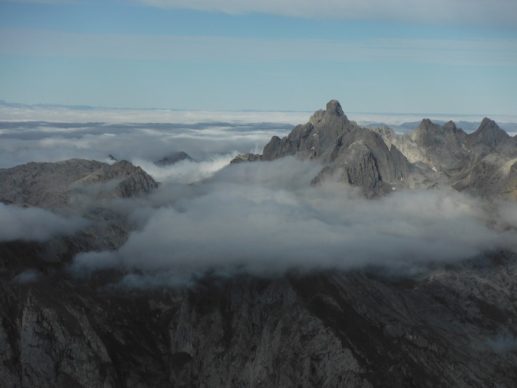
column 45, row 43
column 41, row 1
column 35, row 224
column 479, row 11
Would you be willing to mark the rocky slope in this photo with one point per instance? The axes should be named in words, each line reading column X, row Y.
column 54, row 185
column 72, row 187
column 451, row 327
column 483, row 162
column 351, row 153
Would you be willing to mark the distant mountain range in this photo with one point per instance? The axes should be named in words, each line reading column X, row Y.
column 467, row 126
column 380, row 161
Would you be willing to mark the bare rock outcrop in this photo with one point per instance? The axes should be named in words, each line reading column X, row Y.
column 378, row 160
column 352, row 154
column 480, row 162
column 451, row 327
column 51, row 185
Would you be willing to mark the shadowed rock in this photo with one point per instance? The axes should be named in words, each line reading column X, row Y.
column 173, row 158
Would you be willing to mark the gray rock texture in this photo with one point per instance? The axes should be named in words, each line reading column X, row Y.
column 52, row 185
column 74, row 187
column 352, row 154
column 449, row 327
column 481, row 162
column 378, row 160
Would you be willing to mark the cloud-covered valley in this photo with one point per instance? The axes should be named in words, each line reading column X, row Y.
column 266, row 218
column 263, row 218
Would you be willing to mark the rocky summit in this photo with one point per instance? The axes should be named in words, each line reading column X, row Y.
column 446, row 325
column 378, row 160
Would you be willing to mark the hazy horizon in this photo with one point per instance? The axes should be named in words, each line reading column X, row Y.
column 448, row 56
column 71, row 114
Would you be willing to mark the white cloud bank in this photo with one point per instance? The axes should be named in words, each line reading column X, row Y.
column 140, row 142
column 406, row 10
column 266, row 218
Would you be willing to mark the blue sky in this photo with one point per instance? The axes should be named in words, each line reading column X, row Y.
column 407, row 56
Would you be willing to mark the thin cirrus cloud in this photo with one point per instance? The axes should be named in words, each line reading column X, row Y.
column 56, row 2
column 45, row 43
column 469, row 11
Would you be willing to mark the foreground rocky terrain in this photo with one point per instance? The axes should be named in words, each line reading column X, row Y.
column 441, row 325
column 452, row 327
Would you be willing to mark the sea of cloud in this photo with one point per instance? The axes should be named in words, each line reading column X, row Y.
column 23, row 142
column 263, row 218
column 40, row 133
column 266, row 218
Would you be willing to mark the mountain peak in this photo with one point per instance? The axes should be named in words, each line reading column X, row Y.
column 490, row 126
column 334, row 107
column 426, row 124
column 489, row 133
column 487, row 123
column 450, row 125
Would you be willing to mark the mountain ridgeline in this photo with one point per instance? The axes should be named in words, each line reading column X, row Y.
column 378, row 160
column 442, row 325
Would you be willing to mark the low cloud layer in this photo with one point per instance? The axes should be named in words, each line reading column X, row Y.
column 266, row 218
column 260, row 217
column 45, row 134
column 33, row 224
column 22, row 142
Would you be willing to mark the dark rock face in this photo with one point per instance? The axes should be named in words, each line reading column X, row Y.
column 322, row 330
column 173, row 158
